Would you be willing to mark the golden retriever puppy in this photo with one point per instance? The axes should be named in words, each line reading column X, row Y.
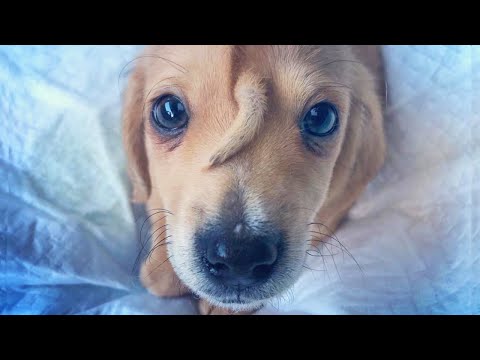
column 237, row 150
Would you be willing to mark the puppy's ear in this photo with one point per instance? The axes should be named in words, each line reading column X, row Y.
column 134, row 137
column 362, row 154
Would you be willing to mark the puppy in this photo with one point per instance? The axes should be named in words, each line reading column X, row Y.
column 237, row 150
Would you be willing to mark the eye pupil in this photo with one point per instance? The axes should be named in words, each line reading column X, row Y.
column 169, row 113
column 321, row 120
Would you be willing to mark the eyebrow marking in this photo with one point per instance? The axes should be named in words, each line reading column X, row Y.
column 175, row 65
column 250, row 94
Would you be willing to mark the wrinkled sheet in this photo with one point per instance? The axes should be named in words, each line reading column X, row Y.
column 69, row 236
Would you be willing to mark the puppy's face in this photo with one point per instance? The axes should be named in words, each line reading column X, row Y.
column 246, row 146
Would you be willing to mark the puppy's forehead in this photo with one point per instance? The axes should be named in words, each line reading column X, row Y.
column 302, row 64
column 187, row 60
column 296, row 73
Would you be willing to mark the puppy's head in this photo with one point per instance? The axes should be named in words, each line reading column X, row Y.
column 247, row 145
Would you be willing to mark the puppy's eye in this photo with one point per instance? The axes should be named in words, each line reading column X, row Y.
column 169, row 113
column 320, row 120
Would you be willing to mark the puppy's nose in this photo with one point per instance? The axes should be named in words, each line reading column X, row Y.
column 235, row 261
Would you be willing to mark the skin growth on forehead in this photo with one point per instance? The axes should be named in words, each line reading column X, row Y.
column 251, row 97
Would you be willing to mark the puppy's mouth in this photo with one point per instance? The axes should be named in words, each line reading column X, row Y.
column 240, row 297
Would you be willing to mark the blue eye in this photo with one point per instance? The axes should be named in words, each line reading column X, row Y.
column 169, row 113
column 320, row 120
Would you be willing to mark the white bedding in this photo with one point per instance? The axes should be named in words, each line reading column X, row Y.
column 68, row 239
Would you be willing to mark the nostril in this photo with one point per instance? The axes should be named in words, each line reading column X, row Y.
column 262, row 271
column 216, row 268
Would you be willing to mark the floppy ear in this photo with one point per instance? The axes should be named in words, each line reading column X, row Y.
column 134, row 137
column 362, row 153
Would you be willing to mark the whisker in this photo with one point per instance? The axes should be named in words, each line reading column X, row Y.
column 334, row 263
column 315, row 253
column 150, row 254
column 342, row 247
column 317, row 239
column 326, row 269
column 160, row 227
column 143, row 243
column 156, row 211
column 320, row 233
column 142, row 249
column 150, row 273
column 158, row 243
column 162, row 243
column 335, row 238
column 155, row 242
column 162, row 209
column 323, row 260
column 172, row 63
column 309, row 268
column 323, row 255
column 151, row 210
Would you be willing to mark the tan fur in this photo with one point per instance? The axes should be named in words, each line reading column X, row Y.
column 133, row 134
column 245, row 106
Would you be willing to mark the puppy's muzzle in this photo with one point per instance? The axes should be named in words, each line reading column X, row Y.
column 237, row 258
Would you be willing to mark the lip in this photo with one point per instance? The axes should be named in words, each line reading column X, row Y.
column 233, row 302
column 239, row 295
column 244, row 296
column 238, row 304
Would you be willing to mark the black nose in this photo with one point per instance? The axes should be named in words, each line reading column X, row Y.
column 238, row 260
